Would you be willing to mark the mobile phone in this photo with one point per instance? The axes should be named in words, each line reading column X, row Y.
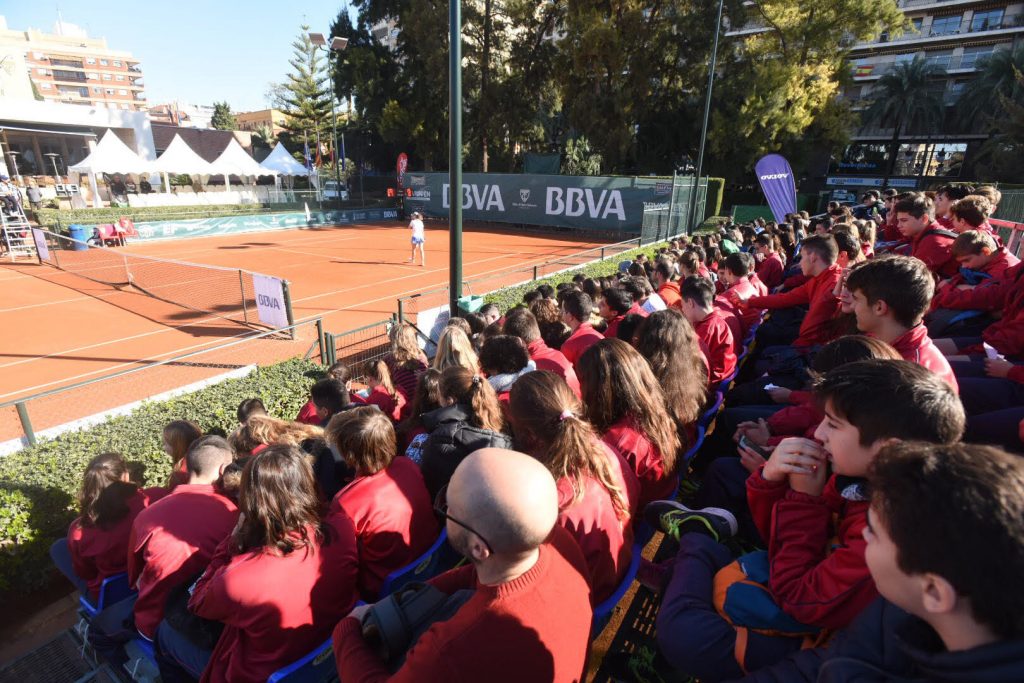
column 747, row 443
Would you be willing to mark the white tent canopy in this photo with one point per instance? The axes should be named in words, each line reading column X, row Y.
column 179, row 158
column 236, row 161
column 281, row 162
column 112, row 156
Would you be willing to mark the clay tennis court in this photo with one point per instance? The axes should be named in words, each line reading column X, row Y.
column 59, row 328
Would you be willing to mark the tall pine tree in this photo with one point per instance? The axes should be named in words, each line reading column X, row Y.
column 306, row 97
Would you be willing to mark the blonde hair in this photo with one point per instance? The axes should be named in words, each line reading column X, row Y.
column 404, row 347
column 455, row 350
column 263, row 430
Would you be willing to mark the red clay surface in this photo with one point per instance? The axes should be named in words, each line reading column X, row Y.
column 57, row 328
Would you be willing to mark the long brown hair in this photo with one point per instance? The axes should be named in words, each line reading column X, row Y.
column 179, row 435
column 426, row 398
column 279, row 502
column 617, row 382
column 473, row 391
column 667, row 340
column 548, row 416
column 404, row 347
column 103, row 498
column 378, row 370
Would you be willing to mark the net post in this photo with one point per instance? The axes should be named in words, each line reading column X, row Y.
column 286, row 289
column 241, row 290
column 26, row 423
column 321, row 340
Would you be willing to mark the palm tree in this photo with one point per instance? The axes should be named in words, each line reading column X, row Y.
column 906, row 99
column 982, row 99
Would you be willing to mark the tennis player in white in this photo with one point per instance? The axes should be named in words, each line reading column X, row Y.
column 416, row 225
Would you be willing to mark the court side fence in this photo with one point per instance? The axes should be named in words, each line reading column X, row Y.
column 46, row 414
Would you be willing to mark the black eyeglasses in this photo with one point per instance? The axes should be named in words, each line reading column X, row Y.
column 441, row 510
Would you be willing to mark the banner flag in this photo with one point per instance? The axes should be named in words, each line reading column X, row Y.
column 778, row 184
column 270, row 300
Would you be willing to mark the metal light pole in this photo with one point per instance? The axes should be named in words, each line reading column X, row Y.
column 337, row 45
column 704, row 128
column 455, row 155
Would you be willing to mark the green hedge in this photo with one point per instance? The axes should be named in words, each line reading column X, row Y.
column 51, row 218
column 38, row 485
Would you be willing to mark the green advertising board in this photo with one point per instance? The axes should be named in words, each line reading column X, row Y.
column 587, row 202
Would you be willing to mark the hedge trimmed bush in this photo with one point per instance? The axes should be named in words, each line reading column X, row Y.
column 51, row 218
column 39, row 485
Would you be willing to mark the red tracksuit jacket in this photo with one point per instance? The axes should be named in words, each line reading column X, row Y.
column 579, row 341
column 1007, row 295
column 275, row 608
column 771, row 270
column 553, row 360
column 935, row 248
column 714, row 332
column 644, row 457
column 815, row 549
column 916, row 346
column 817, row 293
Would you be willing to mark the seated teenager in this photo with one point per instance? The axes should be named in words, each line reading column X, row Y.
column 382, row 391
column 469, row 418
column 387, row 501
column 308, row 413
column 504, row 359
column 627, row 407
column 412, row 434
column 176, row 438
column 173, row 540
column 406, row 361
column 613, row 307
column 597, row 489
column 96, row 546
column 735, row 275
column 553, row 331
column 668, row 287
column 576, row 310
column 946, row 198
column 809, row 502
column 279, row 582
column 528, row 615
column 455, row 350
column 818, row 255
column 972, row 213
column 248, row 408
column 772, row 266
column 890, row 297
column 331, row 396
column 710, row 326
column 944, row 547
column 260, row 431
column 519, row 322
column 929, row 241
column 645, row 299
column 670, row 345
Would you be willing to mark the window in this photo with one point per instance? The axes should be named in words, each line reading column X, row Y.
column 117, row 62
column 93, row 77
column 41, row 72
column 109, row 91
column 917, row 24
column 973, row 55
column 122, row 92
column 39, row 56
column 944, row 26
column 987, row 21
column 939, row 59
column 97, row 90
column 90, row 60
column 120, row 77
column 103, row 62
column 106, row 77
column 44, row 86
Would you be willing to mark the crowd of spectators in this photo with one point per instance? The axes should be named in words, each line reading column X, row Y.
column 856, row 512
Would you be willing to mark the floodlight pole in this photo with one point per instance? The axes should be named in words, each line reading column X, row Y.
column 704, row 128
column 455, row 155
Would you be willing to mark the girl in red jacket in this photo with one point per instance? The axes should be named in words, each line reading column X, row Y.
column 597, row 490
column 279, row 582
column 177, row 437
column 626, row 405
column 96, row 547
column 383, row 393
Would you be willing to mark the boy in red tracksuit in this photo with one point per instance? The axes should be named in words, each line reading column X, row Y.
column 520, row 322
column 736, row 276
column 978, row 254
column 813, row 522
column 929, row 241
column 890, row 296
column 576, row 310
column 772, row 270
column 1006, row 335
column 972, row 213
column 711, row 327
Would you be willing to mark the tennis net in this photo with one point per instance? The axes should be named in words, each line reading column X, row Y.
column 228, row 293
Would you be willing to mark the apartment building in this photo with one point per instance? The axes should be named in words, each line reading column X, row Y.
column 68, row 66
column 274, row 119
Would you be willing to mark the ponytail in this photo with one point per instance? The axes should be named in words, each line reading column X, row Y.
column 576, row 451
column 379, row 371
column 470, row 389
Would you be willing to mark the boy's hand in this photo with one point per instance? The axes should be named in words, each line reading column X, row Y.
column 758, row 432
column 795, row 455
column 812, row 484
column 751, row 460
column 997, row 367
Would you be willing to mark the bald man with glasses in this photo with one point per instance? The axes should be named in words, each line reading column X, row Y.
column 530, row 615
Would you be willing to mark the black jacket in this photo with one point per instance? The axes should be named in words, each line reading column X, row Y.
column 886, row 644
column 451, row 439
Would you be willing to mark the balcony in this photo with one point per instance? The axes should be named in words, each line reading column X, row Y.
column 1010, row 22
column 76, row 64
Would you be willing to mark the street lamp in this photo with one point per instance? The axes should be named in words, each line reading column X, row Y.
column 454, row 155
column 337, row 45
column 707, row 114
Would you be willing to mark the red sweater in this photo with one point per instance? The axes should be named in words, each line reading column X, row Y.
column 307, row 414
column 553, row 360
column 1006, row 335
column 669, row 293
column 645, row 459
column 716, row 336
column 98, row 553
column 818, row 574
column 579, row 341
column 816, row 326
column 606, row 540
column 935, row 247
column 406, row 376
column 394, row 521
column 916, row 346
column 1002, row 261
column 771, row 270
column 388, row 405
column 759, row 286
column 611, row 332
column 533, row 628
column 171, row 542
column 275, row 608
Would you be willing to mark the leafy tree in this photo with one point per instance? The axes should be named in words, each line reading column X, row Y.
column 223, row 119
column 997, row 83
column 305, row 98
column 1002, row 156
column 579, row 160
column 906, row 99
column 263, row 136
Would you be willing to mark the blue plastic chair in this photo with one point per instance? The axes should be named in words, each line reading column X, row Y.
column 436, row 560
column 316, row 667
column 692, row 450
column 603, row 611
column 114, row 589
column 723, row 388
column 709, row 414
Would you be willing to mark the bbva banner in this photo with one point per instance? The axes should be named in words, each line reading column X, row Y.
column 592, row 202
column 778, row 184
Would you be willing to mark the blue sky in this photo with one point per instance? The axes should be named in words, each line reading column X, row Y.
column 191, row 51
